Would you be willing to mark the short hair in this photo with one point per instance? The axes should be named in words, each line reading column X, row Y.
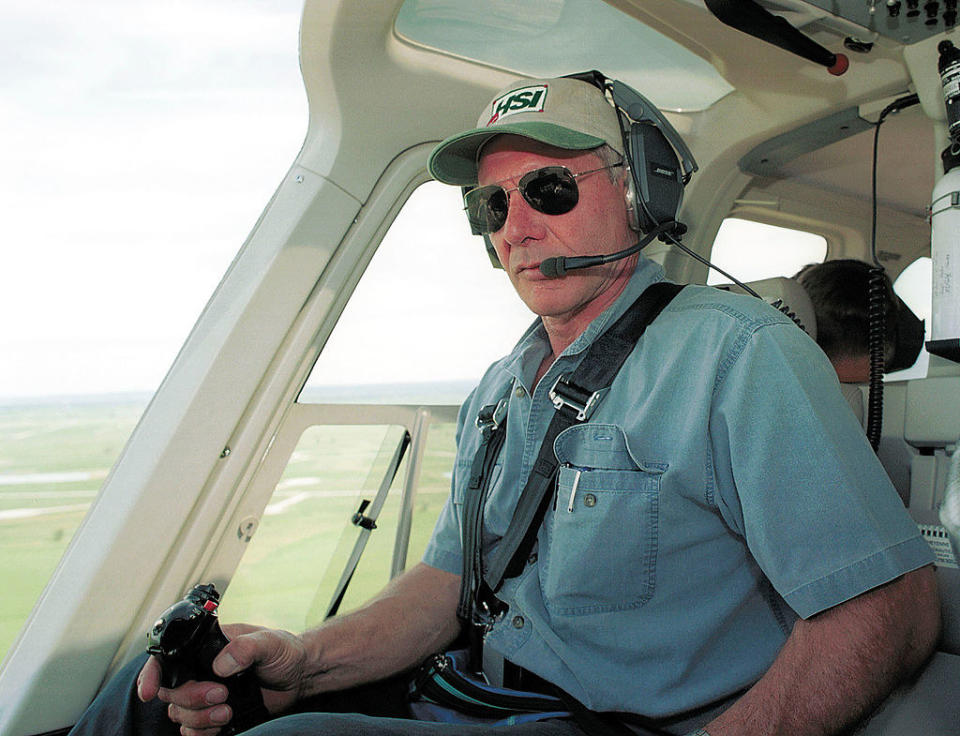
column 610, row 157
column 839, row 291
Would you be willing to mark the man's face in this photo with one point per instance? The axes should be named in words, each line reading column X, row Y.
column 596, row 225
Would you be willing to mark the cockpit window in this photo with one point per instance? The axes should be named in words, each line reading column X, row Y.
column 751, row 251
column 428, row 316
column 544, row 38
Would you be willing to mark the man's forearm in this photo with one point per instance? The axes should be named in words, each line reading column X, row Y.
column 840, row 664
column 414, row 616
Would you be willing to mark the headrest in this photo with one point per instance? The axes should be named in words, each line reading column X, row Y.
column 788, row 296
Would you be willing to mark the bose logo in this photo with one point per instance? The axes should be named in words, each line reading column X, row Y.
column 526, row 99
column 663, row 171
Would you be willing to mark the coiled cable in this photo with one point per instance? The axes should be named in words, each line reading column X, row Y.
column 876, row 313
column 877, row 319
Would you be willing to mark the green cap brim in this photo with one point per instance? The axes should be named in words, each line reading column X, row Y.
column 454, row 160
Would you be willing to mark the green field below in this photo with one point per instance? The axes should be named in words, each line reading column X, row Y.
column 54, row 457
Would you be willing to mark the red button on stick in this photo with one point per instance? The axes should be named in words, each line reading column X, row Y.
column 210, row 606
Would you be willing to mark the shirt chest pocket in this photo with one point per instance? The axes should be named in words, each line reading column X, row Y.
column 599, row 542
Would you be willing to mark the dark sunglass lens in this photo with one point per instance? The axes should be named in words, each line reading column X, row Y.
column 495, row 212
column 552, row 191
column 486, row 209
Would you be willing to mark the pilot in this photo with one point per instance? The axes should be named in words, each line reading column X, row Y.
column 721, row 552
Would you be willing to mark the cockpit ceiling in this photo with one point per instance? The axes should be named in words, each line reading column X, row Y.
column 544, row 38
column 906, row 164
column 553, row 37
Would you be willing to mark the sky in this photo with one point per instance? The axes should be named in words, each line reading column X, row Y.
column 141, row 141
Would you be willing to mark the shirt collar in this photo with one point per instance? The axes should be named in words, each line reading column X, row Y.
column 646, row 273
column 534, row 346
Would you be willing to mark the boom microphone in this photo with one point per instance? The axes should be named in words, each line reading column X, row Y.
column 555, row 268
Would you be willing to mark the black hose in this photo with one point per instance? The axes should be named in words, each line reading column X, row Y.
column 749, row 17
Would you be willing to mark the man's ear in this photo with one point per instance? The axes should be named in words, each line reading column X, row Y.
column 630, row 195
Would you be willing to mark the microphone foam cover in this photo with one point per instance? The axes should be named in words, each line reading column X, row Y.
column 553, row 268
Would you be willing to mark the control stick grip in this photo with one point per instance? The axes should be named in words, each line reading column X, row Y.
column 186, row 639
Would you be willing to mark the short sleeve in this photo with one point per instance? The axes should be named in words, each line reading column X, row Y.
column 809, row 496
column 445, row 549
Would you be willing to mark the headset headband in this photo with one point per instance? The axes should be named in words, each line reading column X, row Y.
column 639, row 109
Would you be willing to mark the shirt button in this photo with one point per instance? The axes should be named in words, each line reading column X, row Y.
column 590, row 500
column 519, row 392
column 518, row 622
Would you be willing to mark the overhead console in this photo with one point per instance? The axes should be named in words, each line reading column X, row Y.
column 906, row 21
column 782, row 23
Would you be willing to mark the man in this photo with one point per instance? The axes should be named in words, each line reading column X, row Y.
column 839, row 290
column 706, row 561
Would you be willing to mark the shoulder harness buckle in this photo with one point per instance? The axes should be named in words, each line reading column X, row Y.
column 490, row 417
column 567, row 395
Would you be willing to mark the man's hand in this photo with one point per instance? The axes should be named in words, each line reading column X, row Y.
column 413, row 617
column 199, row 707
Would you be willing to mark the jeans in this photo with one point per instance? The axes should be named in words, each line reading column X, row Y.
column 117, row 711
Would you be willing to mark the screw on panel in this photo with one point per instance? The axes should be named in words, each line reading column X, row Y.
column 299, row 179
column 225, row 452
column 247, row 528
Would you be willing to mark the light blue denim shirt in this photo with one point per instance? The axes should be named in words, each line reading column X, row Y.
column 722, row 489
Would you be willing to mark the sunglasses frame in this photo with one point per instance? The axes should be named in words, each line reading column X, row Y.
column 478, row 223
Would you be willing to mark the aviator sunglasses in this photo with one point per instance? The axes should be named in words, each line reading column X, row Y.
column 551, row 190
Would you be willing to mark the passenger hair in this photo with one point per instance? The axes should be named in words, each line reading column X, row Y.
column 839, row 291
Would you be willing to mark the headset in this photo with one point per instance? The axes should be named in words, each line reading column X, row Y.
column 659, row 161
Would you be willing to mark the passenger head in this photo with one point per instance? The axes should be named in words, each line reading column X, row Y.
column 839, row 291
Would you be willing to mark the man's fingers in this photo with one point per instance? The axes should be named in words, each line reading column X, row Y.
column 197, row 722
column 254, row 647
column 234, row 630
column 240, row 654
column 195, row 695
column 148, row 681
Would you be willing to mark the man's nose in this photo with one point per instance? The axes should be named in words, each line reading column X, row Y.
column 523, row 221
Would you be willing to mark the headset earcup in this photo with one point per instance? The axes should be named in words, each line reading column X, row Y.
column 657, row 173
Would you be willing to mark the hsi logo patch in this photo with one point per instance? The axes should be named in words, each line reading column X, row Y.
column 526, row 99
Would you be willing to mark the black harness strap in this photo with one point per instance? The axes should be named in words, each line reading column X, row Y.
column 491, row 422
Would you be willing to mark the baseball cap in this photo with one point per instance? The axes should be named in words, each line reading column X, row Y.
column 565, row 113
